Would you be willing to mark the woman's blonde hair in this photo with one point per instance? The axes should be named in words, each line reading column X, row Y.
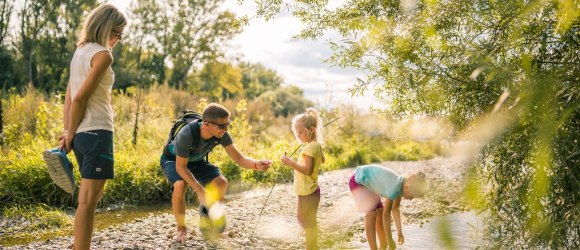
column 99, row 24
column 309, row 119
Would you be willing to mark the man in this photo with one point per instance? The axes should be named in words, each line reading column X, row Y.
column 184, row 163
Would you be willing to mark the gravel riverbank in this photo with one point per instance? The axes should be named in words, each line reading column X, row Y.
column 278, row 228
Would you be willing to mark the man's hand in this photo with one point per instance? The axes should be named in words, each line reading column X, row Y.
column 201, row 196
column 401, row 238
column 181, row 234
column 263, row 165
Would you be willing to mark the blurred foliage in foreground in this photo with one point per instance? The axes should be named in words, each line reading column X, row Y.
column 455, row 59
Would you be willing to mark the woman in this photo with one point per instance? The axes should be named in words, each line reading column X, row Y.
column 88, row 114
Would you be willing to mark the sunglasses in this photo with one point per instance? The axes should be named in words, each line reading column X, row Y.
column 118, row 34
column 221, row 126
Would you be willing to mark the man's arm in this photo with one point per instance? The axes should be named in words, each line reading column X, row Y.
column 246, row 162
column 397, row 218
column 387, row 223
column 187, row 176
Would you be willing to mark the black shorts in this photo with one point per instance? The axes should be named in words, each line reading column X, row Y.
column 203, row 171
column 94, row 152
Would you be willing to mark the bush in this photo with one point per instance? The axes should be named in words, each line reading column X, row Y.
column 138, row 176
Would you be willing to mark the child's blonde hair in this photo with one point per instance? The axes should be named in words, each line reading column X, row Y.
column 417, row 184
column 99, row 24
column 309, row 119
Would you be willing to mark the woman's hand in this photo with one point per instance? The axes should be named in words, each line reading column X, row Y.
column 62, row 140
column 68, row 142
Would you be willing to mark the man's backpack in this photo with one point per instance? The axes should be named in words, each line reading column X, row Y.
column 187, row 118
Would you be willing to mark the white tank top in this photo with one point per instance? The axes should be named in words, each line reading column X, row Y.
column 99, row 112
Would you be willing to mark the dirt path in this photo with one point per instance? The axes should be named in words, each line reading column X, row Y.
column 340, row 224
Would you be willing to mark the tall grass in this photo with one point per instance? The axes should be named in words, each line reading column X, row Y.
column 33, row 123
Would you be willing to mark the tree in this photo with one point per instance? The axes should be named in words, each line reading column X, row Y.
column 286, row 101
column 258, row 79
column 221, row 80
column 456, row 59
column 7, row 76
column 186, row 33
column 151, row 41
column 6, row 8
column 46, row 40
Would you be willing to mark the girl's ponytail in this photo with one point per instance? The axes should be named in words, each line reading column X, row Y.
column 316, row 123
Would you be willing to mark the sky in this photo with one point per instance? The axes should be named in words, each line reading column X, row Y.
column 298, row 62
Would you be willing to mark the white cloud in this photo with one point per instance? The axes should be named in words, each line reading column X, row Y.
column 298, row 62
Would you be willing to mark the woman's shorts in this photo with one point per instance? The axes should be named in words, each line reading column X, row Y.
column 94, row 152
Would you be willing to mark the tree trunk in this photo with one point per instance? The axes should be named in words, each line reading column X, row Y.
column 2, row 116
column 136, row 126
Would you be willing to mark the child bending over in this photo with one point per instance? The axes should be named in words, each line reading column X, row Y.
column 371, row 182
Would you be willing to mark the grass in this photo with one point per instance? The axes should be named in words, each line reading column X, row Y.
column 32, row 123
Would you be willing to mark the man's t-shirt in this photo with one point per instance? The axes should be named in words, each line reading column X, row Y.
column 381, row 180
column 307, row 184
column 183, row 141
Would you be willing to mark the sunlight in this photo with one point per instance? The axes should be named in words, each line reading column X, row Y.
column 280, row 228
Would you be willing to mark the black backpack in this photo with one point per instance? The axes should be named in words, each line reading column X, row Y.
column 187, row 118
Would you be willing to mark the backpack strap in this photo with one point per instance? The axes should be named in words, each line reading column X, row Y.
column 195, row 127
column 195, row 133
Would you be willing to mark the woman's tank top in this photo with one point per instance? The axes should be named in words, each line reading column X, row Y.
column 99, row 112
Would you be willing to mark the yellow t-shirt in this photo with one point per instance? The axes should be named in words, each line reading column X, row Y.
column 307, row 184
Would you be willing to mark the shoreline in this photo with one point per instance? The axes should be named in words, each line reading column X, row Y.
column 278, row 228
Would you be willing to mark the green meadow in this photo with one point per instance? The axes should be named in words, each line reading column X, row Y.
column 33, row 122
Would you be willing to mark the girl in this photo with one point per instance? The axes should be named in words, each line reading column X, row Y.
column 371, row 182
column 88, row 114
column 307, row 129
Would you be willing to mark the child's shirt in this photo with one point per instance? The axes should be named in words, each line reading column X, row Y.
column 307, row 184
column 381, row 180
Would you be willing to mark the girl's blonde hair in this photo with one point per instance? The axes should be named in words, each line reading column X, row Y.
column 417, row 184
column 309, row 119
column 99, row 24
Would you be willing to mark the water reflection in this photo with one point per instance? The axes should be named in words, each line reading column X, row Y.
column 465, row 231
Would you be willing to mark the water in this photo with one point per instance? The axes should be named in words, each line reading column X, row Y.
column 464, row 231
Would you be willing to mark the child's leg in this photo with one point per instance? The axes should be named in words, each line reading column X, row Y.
column 308, row 208
column 368, row 202
column 370, row 220
column 299, row 212
column 381, row 229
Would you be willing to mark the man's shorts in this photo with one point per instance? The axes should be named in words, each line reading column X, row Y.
column 94, row 152
column 203, row 171
column 365, row 199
